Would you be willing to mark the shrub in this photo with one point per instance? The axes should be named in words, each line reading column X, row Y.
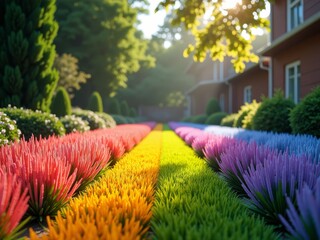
column 133, row 113
column 119, row 119
column 74, row 124
column 305, row 117
column 187, row 119
column 215, row 118
column 199, row 119
column 8, row 130
column 108, row 119
column 124, row 109
column 228, row 120
column 92, row 118
column 114, row 107
column 273, row 114
column 242, row 114
column 95, row 102
column 213, row 106
column 61, row 105
column 35, row 123
column 248, row 119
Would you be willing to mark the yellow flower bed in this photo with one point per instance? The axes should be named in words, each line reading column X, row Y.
column 118, row 206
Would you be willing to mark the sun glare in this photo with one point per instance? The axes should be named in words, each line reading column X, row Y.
column 228, row 4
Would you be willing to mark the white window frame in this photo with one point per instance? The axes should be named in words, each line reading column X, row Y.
column 291, row 5
column 297, row 80
column 217, row 71
column 247, row 94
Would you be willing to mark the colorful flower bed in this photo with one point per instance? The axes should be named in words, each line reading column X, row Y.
column 270, row 179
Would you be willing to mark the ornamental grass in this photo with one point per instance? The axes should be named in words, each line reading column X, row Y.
column 118, row 205
column 13, row 205
column 192, row 202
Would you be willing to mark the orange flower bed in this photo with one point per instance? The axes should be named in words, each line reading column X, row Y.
column 118, row 206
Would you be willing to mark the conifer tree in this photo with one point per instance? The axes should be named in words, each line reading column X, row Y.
column 27, row 31
column 61, row 104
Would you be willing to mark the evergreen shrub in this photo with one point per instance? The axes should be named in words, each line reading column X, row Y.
column 119, row 119
column 74, row 124
column 215, row 118
column 273, row 114
column 114, row 107
column 199, row 119
column 35, row 123
column 245, row 110
column 133, row 113
column 95, row 102
column 124, row 109
column 228, row 120
column 213, row 106
column 61, row 104
column 94, row 121
column 108, row 119
column 9, row 131
column 305, row 117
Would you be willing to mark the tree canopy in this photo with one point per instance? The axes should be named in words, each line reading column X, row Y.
column 220, row 27
column 103, row 36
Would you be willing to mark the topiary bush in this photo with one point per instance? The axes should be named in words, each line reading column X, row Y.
column 61, row 104
column 74, row 124
column 95, row 102
column 35, row 123
column 94, row 121
column 215, row 118
column 119, row 119
column 124, row 108
column 273, row 114
column 228, row 120
column 213, row 106
column 108, row 119
column 248, row 119
column 199, row 119
column 305, row 117
column 114, row 107
column 9, row 131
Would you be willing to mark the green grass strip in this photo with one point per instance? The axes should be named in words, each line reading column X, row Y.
column 192, row 202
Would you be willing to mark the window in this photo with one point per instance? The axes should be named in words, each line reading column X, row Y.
column 293, row 81
column 217, row 71
column 247, row 94
column 222, row 102
column 295, row 13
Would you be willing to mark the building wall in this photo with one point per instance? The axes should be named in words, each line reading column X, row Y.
column 279, row 15
column 308, row 53
column 257, row 79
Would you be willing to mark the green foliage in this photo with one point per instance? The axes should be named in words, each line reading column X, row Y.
column 107, row 43
column 133, row 113
column 94, row 121
column 228, row 120
column 188, row 211
column 27, row 31
column 61, row 104
column 222, row 35
column 199, row 119
column 69, row 75
column 305, row 117
column 213, row 106
column 248, row 119
column 95, row 102
column 273, row 114
column 9, row 131
column 74, row 124
column 35, row 123
column 108, row 119
column 119, row 119
column 114, row 106
column 124, row 109
column 216, row 118
column 245, row 110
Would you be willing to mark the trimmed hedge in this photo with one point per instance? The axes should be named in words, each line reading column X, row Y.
column 35, row 123
column 61, row 104
column 305, row 117
column 215, row 118
column 95, row 102
column 213, row 106
column 9, row 131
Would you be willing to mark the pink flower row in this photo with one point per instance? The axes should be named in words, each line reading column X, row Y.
column 38, row 177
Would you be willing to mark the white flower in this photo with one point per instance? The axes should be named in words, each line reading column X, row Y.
column 11, row 127
column 3, row 131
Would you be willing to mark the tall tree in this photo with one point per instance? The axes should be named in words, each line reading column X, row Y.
column 221, row 27
column 102, row 35
column 27, row 31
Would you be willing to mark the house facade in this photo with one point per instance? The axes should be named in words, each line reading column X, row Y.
column 292, row 54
